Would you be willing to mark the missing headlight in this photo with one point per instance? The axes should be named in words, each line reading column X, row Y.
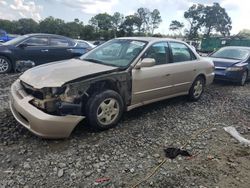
column 57, row 90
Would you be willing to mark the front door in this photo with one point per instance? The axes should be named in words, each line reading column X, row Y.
column 35, row 50
column 151, row 83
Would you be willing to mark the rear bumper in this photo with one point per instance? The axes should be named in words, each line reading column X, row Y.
column 37, row 121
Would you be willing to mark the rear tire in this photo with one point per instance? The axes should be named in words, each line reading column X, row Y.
column 243, row 78
column 196, row 89
column 5, row 65
column 104, row 110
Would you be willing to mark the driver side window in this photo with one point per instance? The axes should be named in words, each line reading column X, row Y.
column 159, row 52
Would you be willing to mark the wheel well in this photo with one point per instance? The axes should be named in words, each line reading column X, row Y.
column 98, row 87
column 102, row 85
column 6, row 57
column 202, row 76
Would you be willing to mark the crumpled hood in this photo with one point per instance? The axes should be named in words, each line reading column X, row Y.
column 221, row 62
column 58, row 73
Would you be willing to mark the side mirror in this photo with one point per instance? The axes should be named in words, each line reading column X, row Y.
column 23, row 45
column 146, row 62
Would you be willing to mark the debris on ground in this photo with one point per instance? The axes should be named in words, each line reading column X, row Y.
column 232, row 131
column 172, row 153
column 101, row 180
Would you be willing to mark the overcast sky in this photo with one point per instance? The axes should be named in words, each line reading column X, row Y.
column 68, row 10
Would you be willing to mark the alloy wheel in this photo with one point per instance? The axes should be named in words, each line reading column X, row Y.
column 243, row 78
column 198, row 88
column 108, row 111
column 4, row 65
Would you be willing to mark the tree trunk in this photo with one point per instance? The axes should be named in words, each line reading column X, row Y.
column 208, row 31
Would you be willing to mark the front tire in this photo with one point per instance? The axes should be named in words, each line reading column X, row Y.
column 104, row 110
column 196, row 89
column 5, row 65
column 243, row 78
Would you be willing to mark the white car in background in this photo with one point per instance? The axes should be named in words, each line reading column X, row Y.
column 85, row 44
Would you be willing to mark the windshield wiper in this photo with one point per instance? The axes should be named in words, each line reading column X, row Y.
column 100, row 62
column 94, row 61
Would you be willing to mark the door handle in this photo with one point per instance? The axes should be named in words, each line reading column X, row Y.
column 194, row 70
column 70, row 50
column 167, row 75
column 46, row 50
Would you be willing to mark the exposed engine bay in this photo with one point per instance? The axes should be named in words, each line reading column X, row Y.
column 58, row 101
column 72, row 97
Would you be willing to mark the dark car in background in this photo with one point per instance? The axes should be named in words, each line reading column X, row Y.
column 232, row 64
column 35, row 49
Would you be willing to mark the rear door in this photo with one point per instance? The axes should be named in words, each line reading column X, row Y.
column 60, row 48
column 183, row 65
column 152, row 83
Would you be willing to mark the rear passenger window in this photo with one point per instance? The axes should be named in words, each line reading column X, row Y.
column 181, row 52
column 59, row 42
column 159, row 52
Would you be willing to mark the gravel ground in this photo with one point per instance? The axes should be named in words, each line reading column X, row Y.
column 129, row 152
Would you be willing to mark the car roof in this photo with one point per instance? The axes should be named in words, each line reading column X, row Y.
column 150, row 39
column 46, row 34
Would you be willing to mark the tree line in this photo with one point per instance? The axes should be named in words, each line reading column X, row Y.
column 202, row 21
column 101, row 26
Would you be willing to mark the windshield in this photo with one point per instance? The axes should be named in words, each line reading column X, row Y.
column 231, row 53
column 117, row 52
column 15, row 40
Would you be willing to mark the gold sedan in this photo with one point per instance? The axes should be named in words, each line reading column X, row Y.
column 120, row 75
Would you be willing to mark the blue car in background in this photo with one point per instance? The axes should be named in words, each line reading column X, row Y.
column 232, row 64
column 4, row 37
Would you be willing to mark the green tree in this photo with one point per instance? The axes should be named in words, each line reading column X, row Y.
column 88, row 33
column 194, row 16
column 102, row 21
column 117, row 20
column 207, row 19
column 176, row 26
column 130, row 25
column 52, row 25
column 155, row 20
column 216, row 19
column 73, row 29
column 25, row 26
column 143, row 18
column 8, row 26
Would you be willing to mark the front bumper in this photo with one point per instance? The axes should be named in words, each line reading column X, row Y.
column 37, row 121
column 233, row 76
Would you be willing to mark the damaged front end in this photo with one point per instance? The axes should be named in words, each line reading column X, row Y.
column 60, row 101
